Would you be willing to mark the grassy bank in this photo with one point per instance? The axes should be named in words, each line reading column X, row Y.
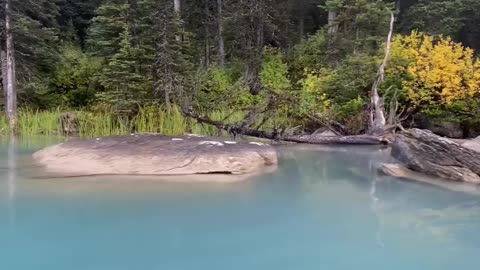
column 152, row 119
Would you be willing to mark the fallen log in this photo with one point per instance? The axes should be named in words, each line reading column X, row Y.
column 422, row 151
column 234, row 130
column 319, row 139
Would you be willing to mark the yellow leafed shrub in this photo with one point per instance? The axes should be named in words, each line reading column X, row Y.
column 434, row 70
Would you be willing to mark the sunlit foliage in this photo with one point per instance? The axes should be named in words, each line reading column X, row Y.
column 435, row 70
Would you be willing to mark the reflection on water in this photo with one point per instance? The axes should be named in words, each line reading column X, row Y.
column 11, row 179
column 324, row 208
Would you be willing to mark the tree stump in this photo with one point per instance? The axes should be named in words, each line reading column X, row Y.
column 70, row 124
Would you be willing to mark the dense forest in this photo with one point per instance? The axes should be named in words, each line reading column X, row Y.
column 287, row 66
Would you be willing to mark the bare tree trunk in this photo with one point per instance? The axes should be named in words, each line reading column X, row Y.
column 256, row 40
column 332, row 30
column 377, row 113
column 207, row 33
column 11, row 93
column 332, row 22
column 221, row 42
column 301, row 20
column 3, row 58
column 177, row 7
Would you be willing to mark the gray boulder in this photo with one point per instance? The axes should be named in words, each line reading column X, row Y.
column 422, row 151
column 440, row 127
column 324, row 132
column 152, row 154
column 473, row 144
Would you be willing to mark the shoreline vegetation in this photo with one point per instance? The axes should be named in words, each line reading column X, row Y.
column 285, row 70
column 150, row 119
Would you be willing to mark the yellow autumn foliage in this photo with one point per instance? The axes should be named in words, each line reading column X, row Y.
column 434, row 70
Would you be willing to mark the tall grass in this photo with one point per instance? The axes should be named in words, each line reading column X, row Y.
column 149, row 119
column 34, row 122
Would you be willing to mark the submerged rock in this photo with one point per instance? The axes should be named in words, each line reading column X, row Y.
column 152, row 154
column 399, row 171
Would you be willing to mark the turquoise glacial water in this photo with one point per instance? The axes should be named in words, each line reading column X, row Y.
column 324, row 208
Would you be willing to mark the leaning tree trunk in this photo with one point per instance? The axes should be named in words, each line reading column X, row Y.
column 422, row 151
column 377, row 114
column 11, row 88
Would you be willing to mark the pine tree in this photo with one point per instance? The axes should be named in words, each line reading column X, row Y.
column 105, row 34
column 75, row 17
column 121, row 34
column 124, row 86
column 169, row 61
column 36, row 41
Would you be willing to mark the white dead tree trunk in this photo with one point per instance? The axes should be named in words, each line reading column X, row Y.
column 177, row 7
column 3, row 58
column 11, row 83
column 332, row 22
column 377, row 114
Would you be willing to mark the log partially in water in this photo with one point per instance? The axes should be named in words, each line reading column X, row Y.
column 422, row 151
column 354, row 140
column 311, row 139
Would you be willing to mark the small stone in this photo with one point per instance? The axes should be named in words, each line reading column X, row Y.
column 211, row 143
column 257, row 143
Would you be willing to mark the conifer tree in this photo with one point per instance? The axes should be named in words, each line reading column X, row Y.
column 36, row 40
column 124, row 86
column 169, row 61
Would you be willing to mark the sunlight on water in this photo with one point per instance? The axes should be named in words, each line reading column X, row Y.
column 324, row 208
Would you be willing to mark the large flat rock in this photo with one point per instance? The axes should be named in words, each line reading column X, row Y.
column 152, row 154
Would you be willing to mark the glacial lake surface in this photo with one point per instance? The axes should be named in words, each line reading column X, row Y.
column 324, row 208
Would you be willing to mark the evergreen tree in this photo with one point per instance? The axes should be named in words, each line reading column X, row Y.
column 171, row 65
column 75, row 17
column 456, row 18
column 124, row 86
column 36, row 42
column 105, row 34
